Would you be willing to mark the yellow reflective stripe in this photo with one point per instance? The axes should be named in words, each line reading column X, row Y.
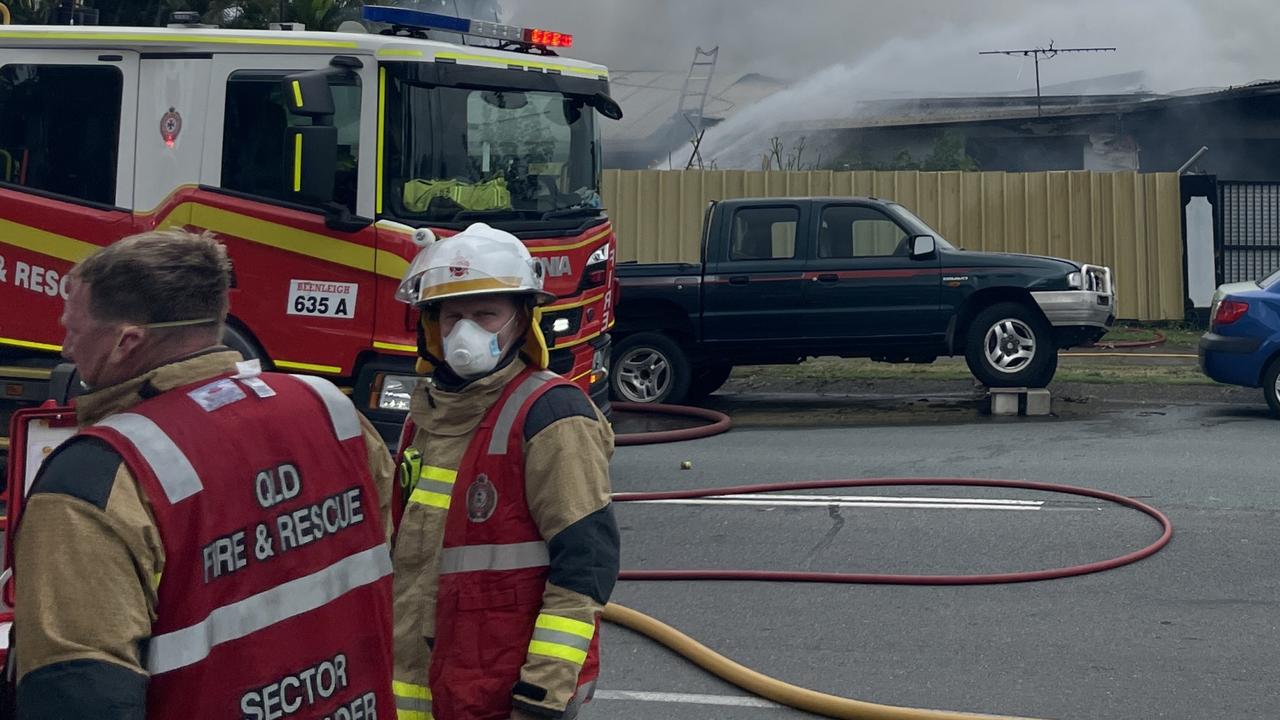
column 523, row 63
column 297, row 93
column 556, row 650
column 44, row 242
column 572, row 305
column 382, row 120
column 297, row 156
column 566, row 625
column 169, row 38
column 30, row 345
column 402, row 714
column 395, row 52
column 427, row 497
column 392, row 346
column 309, row 367
column 409, row 690
column 536, row 251
column 439, row 474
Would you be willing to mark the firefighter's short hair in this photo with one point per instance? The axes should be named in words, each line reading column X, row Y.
column 157, row 277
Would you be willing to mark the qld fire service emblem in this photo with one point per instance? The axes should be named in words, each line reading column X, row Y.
column 482, row 499
column 459, row 266
column 170, row 126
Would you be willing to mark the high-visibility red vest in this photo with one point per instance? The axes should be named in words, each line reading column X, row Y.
column 275, row 600
column 493, row 571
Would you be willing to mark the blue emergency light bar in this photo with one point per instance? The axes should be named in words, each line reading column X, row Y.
column 422, row 20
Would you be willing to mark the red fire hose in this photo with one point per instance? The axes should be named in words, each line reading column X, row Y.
column 798, row 697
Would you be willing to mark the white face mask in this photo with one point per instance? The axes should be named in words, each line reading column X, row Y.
column 472, row 351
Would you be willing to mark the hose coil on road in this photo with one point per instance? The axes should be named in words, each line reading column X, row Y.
column 810, row 700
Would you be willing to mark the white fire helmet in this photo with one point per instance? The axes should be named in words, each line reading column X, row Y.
column 477, row 261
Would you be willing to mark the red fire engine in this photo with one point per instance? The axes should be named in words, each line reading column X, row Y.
column 315, row 157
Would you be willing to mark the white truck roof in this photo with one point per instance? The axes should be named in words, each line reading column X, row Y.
column 206, row 40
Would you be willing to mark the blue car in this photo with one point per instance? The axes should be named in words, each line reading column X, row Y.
column 1242, row 346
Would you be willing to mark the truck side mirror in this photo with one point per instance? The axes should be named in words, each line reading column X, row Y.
column 308, row 94
column 313, row 162
column 923, row 246
column 606, row 106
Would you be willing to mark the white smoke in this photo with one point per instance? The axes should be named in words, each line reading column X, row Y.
column 838, row 53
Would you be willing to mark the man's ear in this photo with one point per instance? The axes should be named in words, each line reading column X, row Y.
column 132, row 338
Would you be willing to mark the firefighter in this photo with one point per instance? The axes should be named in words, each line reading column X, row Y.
column 213, row 542
column 508, row 548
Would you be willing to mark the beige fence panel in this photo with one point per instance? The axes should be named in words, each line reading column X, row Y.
column 1129, row 221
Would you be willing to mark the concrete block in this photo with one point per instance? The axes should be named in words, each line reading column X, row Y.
column 1004, row 401
column 1038, row 402
column 1020, row 401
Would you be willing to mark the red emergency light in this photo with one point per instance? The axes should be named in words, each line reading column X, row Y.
column 547, row 38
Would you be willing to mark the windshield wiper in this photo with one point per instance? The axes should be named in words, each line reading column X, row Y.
column 572, row 212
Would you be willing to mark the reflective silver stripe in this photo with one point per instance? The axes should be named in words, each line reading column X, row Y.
column 435, row 486
column 239, row 619
column 170, row 465
column 345, row 418
column 507, row 416
column 562, row 638
column 413, row 704
column 471, row 558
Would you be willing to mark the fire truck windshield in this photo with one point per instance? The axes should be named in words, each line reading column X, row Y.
column 463, row 149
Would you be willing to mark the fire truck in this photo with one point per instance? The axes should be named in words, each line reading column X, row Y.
column 321, row 160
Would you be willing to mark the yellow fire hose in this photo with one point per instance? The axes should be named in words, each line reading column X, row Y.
column 771, row 688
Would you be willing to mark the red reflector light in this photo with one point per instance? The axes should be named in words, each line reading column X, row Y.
column 548, row 38
column 13, row 390
column 596, row 277
column 1230, row 311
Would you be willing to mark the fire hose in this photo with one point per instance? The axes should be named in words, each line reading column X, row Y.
column 821, row 703
column 5, row 17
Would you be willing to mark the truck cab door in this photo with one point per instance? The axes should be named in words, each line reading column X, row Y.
column 304, row 261
column 754, row 286
column 67, row 120
column 863, row 285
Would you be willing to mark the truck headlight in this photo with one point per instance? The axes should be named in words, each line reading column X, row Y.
column 394, row 391
column 1075, row 281
column 599, row 256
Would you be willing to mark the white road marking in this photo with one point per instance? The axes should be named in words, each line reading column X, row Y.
column 858, row 501
column 685, row 698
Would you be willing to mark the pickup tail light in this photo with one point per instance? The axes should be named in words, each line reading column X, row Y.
column 1230, row 311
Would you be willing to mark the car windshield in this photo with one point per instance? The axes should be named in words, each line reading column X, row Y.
column 462, row 154
column 918, row 226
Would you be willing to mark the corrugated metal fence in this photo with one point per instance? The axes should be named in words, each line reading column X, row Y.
column 1129, row 221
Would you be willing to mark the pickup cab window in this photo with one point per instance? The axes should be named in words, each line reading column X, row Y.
column 852, row 231
column 764, row 234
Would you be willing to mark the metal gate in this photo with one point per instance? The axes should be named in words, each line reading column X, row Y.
column 1249, row 236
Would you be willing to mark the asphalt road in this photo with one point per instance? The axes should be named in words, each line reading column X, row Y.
column 1190, row 633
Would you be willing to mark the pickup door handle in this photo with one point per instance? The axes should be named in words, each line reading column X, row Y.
column 739, row 279
column 827, row 277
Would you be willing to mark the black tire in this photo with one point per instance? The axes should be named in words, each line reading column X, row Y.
column 1271, row 387
column 1020, row 338
column 708, row 379
column 649, row 367
column 237, row 340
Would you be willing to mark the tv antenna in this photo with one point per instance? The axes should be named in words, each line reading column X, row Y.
column 1047, row 53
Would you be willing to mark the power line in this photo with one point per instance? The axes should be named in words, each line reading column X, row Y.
column 1048, row 52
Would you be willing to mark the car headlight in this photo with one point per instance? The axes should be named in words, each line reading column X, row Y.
column 394, row 391
column 1075, row 281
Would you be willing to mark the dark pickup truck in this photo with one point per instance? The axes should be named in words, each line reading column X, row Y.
column 785, row 279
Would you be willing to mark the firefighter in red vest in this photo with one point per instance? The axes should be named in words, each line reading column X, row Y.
column 213, row 541
column 508, row 548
